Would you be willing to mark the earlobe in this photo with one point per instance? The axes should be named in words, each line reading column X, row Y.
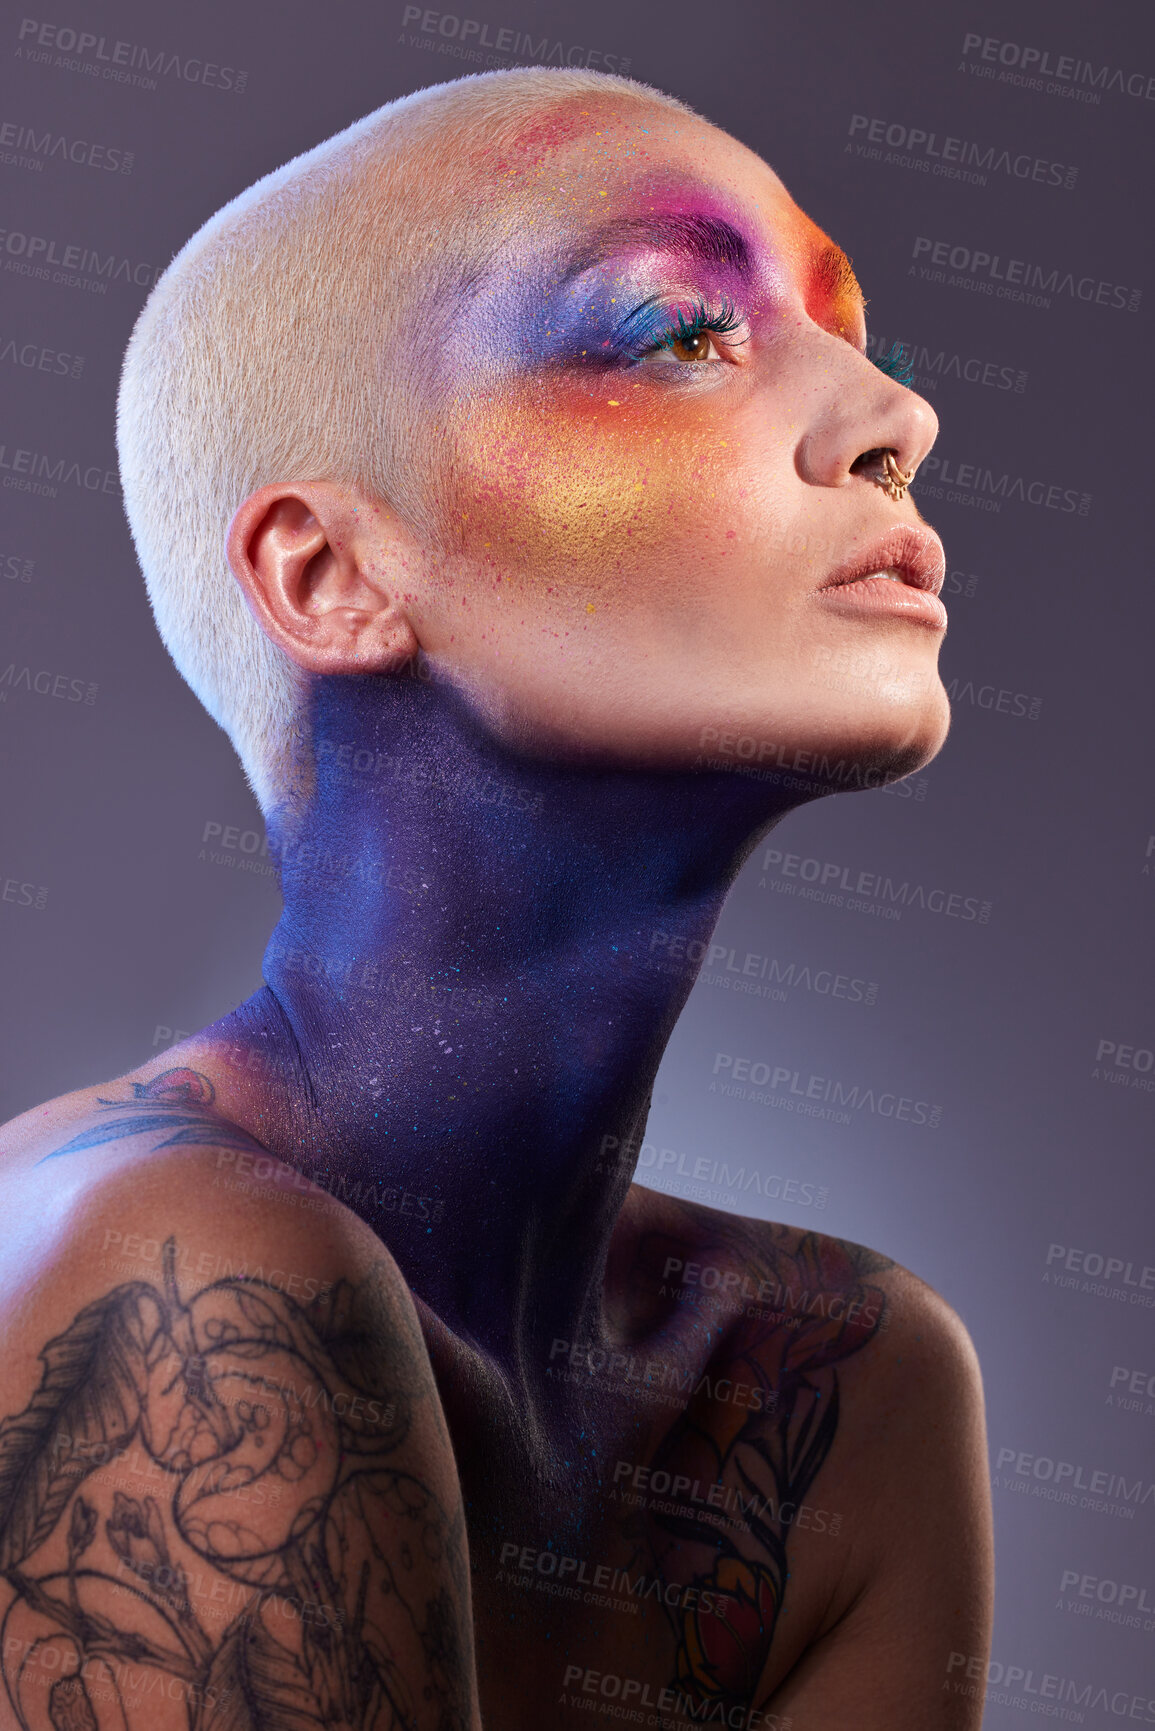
column 314, row 585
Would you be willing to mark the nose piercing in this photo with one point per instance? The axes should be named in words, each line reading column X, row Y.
column 892, row 478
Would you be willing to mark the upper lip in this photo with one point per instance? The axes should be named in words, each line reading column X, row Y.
column 915, row 553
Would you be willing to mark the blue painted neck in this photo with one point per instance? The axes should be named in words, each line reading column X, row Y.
column 461, row 991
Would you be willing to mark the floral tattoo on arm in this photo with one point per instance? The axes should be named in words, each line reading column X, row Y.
column 813, row 1308
column 208, row 1503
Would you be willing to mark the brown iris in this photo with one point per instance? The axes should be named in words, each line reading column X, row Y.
column 694, row 346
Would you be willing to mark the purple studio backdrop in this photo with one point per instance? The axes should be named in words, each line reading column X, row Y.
column 927, row 1023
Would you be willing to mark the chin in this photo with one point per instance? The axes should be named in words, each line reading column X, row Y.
column 890, row 753
column 839, row 740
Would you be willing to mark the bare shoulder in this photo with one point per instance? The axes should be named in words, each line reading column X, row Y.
column 126, row 1105
column 94, row 1183
column 908, row 1465
column 869, row 1415
column 914, row 1601
column 225, row 1475
column 908, row 1377
column 809, row 1283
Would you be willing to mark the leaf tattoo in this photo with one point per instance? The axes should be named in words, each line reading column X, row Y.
column 269, row 1433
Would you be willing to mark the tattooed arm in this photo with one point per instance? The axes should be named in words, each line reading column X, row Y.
column 913, row 1611
column 228, row 1501
column 842, row 1416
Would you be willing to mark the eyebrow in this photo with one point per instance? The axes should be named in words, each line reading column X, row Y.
column 705, row 239
column 710, row 240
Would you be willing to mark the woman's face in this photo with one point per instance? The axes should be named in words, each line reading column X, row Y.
column 654, row 405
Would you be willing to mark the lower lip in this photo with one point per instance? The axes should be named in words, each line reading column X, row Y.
column 886, row 599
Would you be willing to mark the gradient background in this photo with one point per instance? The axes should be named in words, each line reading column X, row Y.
column 134, row 897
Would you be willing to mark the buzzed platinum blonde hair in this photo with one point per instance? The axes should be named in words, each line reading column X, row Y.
column 283, row 344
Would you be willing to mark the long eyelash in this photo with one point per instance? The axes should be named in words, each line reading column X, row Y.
column 896, row 364
column 657, row 328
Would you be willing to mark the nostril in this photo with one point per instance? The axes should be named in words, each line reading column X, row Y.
column 872, row 459
column 881, row 466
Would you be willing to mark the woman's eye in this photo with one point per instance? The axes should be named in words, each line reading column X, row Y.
column 694, row 346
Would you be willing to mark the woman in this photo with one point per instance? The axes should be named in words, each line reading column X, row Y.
column 354, row 1383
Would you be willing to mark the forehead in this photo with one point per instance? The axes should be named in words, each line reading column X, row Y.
column 586, row 179
column 575, row 161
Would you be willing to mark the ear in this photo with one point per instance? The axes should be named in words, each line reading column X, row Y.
column 314, row 561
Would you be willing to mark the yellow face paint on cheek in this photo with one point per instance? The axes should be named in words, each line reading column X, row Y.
column 578, row 495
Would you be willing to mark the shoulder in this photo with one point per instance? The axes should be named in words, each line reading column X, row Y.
column 98, row 1180
column 907, row 1464
column 125, row 1101
column 809, row 1309
column 908, row 1372
column 226, row 1375
column 813, row 1283
column 869, row 1436
column 129, row 1233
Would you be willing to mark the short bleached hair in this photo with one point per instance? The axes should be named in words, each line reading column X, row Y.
column 277, row 348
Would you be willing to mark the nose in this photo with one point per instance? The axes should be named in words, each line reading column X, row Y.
column 862, row 414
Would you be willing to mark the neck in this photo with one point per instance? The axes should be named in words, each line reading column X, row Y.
column 463, row 997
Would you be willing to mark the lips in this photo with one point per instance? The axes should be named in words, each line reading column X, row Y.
column 913, row 555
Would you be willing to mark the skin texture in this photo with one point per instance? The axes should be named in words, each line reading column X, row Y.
column 629, row 553
column 228, row 1493
column 519, row 773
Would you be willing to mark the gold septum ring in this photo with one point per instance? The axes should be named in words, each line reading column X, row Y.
column 893, row 480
